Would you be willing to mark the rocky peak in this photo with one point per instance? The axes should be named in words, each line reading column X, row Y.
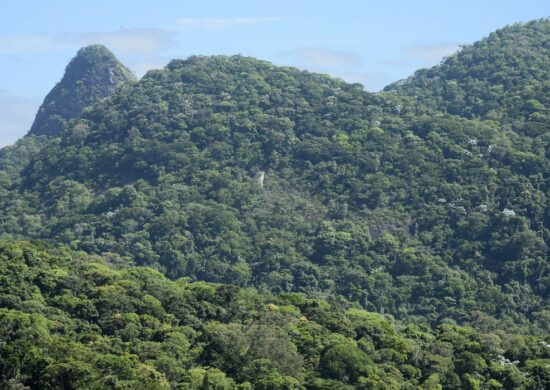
column 94, row 73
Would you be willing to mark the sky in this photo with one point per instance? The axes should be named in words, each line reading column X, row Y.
column 370, row 42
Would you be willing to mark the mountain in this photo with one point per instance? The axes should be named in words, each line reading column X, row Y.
column 73, row 321
column 372, row 199
column 503, row 77
column 227, row 223
column 93, row 74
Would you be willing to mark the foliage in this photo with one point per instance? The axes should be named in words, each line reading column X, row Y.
column 74, row 321
column 367, row 197
column 218, row 177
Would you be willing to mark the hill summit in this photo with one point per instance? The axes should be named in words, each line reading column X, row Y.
column 371, row 198
column 503, row 77
column 93, row 74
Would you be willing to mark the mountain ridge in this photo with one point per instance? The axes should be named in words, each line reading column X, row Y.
column 163, row 172
column 392, row 242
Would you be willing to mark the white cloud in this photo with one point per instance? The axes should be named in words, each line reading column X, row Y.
column 318, row 58
column 16, row 116
column 432, row 52
column 128, row 40
column 125, row 40
column 346, row 65
column 27, row 43
column 223, row 23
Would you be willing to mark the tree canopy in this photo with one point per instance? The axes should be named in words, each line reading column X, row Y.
column 227, row 222
column 73, row 321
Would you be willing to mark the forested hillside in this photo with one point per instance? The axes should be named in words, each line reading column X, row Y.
column 266, row 208
column 369, row 197
column 73, row 321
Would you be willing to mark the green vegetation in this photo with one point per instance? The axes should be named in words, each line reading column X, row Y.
column 503, row 78
column 365, row 196
column 266, row 208
column 72, row 321
column 93, row 74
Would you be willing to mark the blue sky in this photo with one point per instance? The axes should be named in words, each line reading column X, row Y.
column 371, row 42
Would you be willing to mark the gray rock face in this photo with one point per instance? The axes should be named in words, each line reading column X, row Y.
column 93, row 74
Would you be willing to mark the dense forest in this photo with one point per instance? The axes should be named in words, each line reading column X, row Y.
column 74, row 321
column 266, row 208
